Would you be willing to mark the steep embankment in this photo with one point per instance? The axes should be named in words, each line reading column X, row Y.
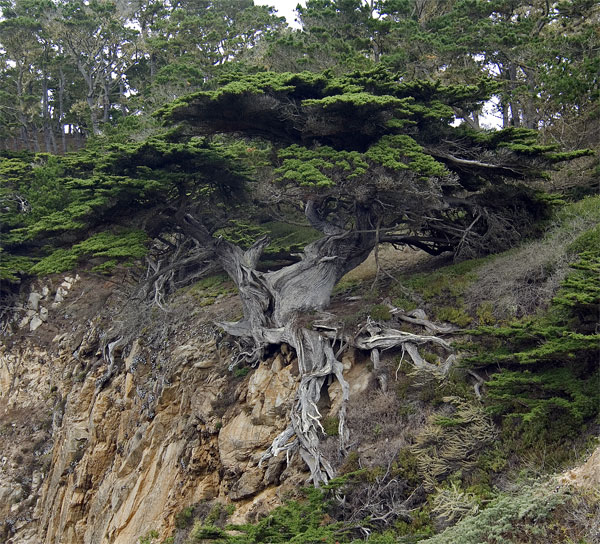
column 119, row 421
column 98, row 454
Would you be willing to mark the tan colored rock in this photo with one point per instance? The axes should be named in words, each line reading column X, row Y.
column 257, row 506
column 277, row 363
column 586, row 476
column 270, row 394
column 239, row 439
column 358, row 378
column 205, row 363
column 185, row 353
column 128, row 457
column 249, row 484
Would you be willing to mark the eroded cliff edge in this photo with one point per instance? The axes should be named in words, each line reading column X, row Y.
column 116, row 417
column 99, row 452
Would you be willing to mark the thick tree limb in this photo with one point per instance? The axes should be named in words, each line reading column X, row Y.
column 506, row 169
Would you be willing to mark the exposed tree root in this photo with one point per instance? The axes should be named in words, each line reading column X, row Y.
column 316, row 362
column 379, row 337
column 275, row 306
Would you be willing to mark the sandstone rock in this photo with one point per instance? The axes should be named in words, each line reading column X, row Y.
column 258, row 506
column 5, row 491
column 115, row 472
column 358, row 378
column 277, row 363
column 185, row 353
column 275, row 467
column 240, row 438
column 205, row 363
column 67, row 282
column 348, row 358
column 249, row 484
column 586, row 476
column 133, row 356
column 204, row 355
column 44, row 314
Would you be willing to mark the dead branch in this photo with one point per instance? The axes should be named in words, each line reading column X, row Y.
column 379, row 337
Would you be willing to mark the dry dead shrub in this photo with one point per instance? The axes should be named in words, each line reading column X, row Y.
column 382, row 422
column 582, row 517
column 452, row 440
column 520, row 282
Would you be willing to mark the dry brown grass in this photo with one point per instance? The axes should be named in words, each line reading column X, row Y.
column 393, row 261
column 525, row 279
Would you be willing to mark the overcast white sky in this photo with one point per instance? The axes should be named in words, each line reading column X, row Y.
column 285, row 8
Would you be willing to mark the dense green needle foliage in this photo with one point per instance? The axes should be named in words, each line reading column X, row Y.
column 548, row 387
column 345, row 142
column 106, row 205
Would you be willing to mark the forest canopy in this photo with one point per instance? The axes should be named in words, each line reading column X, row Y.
column 70, row 70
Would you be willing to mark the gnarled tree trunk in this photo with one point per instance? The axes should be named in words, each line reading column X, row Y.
column 275, row 307
column 274, row 304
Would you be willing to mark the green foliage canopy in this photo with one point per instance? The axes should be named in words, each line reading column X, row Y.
column 107, row 204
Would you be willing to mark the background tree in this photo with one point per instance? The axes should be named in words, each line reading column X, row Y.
column 186, row 44
column 78, row 68
column 22, row 54
column 97, row 41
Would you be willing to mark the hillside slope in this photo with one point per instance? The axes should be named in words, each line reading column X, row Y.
column 150, row 436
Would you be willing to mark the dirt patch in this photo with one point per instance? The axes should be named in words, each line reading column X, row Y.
column 586, row 476
column 393, row 261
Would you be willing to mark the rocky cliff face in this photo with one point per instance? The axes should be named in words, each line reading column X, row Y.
column 103, row 440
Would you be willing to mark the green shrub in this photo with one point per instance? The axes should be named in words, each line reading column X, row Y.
column 296, row 522
column 241, row 372
column 184, row 518
column 458, row 316
column 510, row 518
column 380, row 312
column 116, row 246
column 548, row 386
column 149, row 537
column 331, row 425
column 201, row 532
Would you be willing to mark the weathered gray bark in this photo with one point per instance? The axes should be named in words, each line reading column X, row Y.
column 276, row 305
